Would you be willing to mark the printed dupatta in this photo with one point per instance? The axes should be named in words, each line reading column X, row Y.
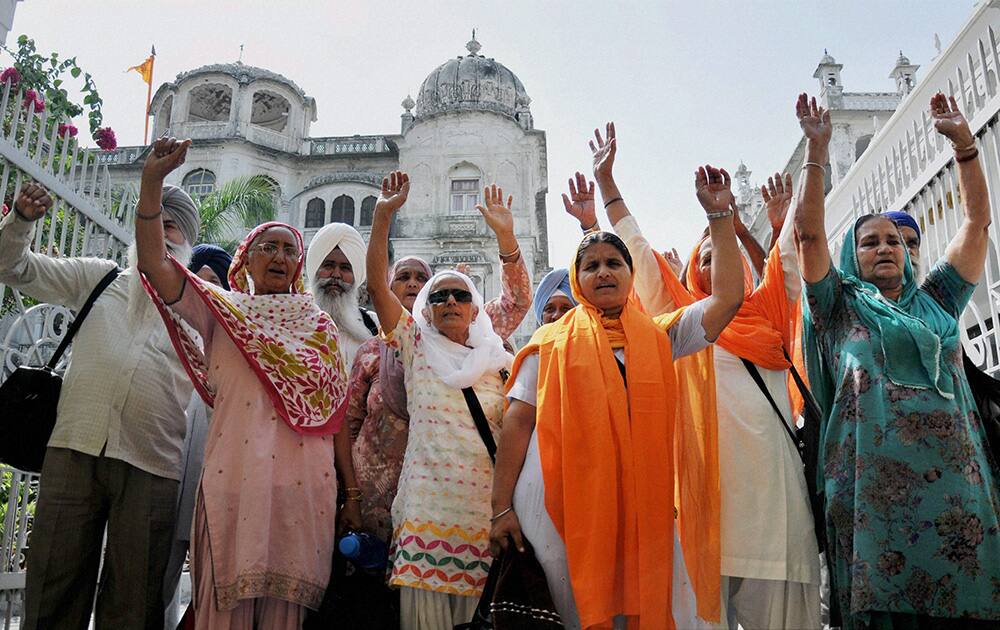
column 288, row 342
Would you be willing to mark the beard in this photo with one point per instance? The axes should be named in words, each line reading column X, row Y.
column 343, row 309
column 138, row 300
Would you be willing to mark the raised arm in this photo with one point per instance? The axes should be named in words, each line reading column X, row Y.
column 754, row 250
column 777, row 197
column 395, row 189
column 508, row 310
column 580, row 203
column 604, row 161
column 166, row 155
column 810, row 212
column 714, row 194
column 967, row 250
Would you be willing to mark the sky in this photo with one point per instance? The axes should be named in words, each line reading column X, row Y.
column 686, row 83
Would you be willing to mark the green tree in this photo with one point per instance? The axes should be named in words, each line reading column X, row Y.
column 241, row 203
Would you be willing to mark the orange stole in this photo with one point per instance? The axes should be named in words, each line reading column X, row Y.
column 608, row 462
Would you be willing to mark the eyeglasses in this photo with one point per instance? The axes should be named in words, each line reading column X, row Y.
column 441, row 296
column 270, row 249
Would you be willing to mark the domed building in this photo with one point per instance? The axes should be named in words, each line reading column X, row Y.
column 470, row 125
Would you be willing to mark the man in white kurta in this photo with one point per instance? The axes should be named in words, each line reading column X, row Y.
column 770, row 561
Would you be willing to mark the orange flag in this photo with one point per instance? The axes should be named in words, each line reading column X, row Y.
column 145, row 69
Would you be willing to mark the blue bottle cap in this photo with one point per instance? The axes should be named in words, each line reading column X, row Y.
column 350, row 545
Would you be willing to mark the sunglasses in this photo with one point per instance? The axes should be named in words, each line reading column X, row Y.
column 441, row 296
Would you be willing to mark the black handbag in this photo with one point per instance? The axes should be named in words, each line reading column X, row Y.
column 806, row 441
column 30, row 395
column 516, row 594
column 986, row 393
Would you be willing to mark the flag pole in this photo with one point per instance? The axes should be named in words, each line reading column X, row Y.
column 149, row 94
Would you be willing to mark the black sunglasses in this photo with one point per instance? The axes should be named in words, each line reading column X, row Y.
column 441, row 296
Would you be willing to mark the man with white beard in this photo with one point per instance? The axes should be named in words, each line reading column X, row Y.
column 335, row 265
column 114, row 457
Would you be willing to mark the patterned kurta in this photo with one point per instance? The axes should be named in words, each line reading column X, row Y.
column 441, row 512
column 380, row 435
column 913, row 500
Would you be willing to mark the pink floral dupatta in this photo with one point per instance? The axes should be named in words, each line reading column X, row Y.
column 288, row 342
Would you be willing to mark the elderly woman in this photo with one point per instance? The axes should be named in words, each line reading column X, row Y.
column 376, row 410
column 268, row 363
column 585, row 467
column 442, row 509
column 912, row 497
column 553, row 297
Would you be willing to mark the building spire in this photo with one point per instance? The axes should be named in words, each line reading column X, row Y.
column 473, row 46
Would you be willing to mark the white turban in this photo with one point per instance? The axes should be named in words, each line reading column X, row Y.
column 329, row 238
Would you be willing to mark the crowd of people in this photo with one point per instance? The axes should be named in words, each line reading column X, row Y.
column 243, row 412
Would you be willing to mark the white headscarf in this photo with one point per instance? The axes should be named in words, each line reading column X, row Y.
column 329, row 238
column 457, row 365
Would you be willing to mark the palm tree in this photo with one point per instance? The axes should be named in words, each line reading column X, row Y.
column 240, row 203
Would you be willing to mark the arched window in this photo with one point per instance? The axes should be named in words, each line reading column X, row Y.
column 199, row 183
column 342, row 210
column 465, row 181
column 315, row 213
column 210, row 103
column 270, row 111
column 367, row 210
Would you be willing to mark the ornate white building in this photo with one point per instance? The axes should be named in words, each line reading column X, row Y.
column 470, row 125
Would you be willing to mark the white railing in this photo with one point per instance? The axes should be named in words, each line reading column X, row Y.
column 908, row 166
column 87, row 218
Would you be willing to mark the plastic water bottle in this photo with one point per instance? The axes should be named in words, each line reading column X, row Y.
column 364, row 550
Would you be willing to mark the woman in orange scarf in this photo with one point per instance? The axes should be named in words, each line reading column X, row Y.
column 585, row 466
column 770, row 560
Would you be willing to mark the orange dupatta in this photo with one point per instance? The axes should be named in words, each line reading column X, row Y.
column 607, row 459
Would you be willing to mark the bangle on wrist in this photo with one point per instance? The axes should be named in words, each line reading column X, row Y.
column 148, row 217
column 611, row 201
column 968, row 147
column 592, row 228
column 968, row 158
column 517, row 250
column 712, row 216
column 816, row 164
column 353, row 494
column 501, row 513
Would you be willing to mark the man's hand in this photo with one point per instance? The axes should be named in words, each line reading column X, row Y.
column 395, row 189
column 167, row 155
column 581, row 207
column 33, row 202
column 777, row 197
column 712, row 186
column 498, row 216
column 604, row 154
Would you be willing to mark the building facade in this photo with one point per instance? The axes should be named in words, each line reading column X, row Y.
column 470, row 126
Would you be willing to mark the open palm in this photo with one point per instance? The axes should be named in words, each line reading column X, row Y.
column 777, row 197
column 395, row 189
column 814, row 121
column 712, row 186
column 498, row 215
column 580, row 202
column 949, row 121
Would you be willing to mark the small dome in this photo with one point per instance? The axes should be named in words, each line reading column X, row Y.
column 408, row 103
column 827, row 59
column 472, row 82
column 242, row 73
column 903, row 60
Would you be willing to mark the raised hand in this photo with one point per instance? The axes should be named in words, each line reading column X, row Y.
column 949, row 121
column 777, row 199
column 604, row 153
column 498, row 216
column 581, row 207
column 815, row 121
column 167, row 155
column 674, row 260
column 463, row 268
column 712, row 186
column 33, row 202
column 395, row 189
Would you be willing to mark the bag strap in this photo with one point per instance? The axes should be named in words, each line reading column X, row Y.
column 807, row 395
column 82, row 315
column 755, row 375
column 481, row 424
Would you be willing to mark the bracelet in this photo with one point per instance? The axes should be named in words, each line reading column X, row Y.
column 148, row 217
column 517, row 250
column 499, row 514
column 611, row 201
column 590, row 229
column 21, row 216
column 353, row 494
column 968, row 157
column 719, row 215
column 816, row 164
column 970, row 146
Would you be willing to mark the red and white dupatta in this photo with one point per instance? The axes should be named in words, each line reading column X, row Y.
column 288, row 342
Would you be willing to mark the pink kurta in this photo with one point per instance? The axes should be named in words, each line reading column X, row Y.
column 268, row 492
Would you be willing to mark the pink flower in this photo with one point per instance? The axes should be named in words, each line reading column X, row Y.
column 33, row 99
column 67, row 129
column 11, row 74
column 105, row 138
column 5, row 210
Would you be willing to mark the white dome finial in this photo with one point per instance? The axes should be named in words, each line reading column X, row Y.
column 473, row 46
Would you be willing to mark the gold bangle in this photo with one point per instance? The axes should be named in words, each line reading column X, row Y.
column 501, row 513
column 148, row 217
column 517, row 250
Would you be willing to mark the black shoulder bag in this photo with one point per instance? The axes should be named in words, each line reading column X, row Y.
column 30, row 395
column 516, row 594
column 806, row 441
